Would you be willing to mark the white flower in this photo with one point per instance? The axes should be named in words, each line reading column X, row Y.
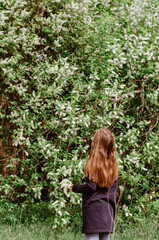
column 62, row 204
column 125, row 207
column 55, row 203
column 59, row 212
column 129, row 196
column 121, row 188
column 65, row 183
column 72, row 199
column 144, row 169
column 64, row 221
column 137, row 165
column 126, row 214
column 54, row 226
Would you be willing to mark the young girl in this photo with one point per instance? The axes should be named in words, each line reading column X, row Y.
column 99, row 192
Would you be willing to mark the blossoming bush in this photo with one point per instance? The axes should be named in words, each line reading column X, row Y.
column 67, row 69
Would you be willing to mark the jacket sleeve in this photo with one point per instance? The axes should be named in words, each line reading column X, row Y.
column 89, row 187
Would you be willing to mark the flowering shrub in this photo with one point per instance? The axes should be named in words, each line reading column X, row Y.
column 67, row 69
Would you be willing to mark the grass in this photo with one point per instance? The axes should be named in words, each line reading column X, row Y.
column 147, row 230
column 35, row 232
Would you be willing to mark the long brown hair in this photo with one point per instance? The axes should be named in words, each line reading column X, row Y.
column 102, row 166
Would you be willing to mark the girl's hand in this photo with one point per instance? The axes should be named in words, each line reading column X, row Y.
column 70, row 187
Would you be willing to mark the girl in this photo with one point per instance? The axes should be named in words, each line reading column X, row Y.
column 99, row 192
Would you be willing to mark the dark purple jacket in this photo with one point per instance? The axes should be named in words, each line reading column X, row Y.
column 98, row 206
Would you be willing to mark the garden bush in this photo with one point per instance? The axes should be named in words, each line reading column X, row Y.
column 69, row 67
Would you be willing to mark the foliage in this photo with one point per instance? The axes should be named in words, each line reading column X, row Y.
column 67, row 69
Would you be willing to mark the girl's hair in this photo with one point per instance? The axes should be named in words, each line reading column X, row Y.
column 102, row 166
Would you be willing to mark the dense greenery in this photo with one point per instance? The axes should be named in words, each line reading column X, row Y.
column 68, row 68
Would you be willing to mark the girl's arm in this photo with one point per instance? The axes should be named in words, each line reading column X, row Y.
column 89, row 187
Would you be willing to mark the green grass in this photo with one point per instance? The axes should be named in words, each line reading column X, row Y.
column 35, row 232
column 147, row 230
